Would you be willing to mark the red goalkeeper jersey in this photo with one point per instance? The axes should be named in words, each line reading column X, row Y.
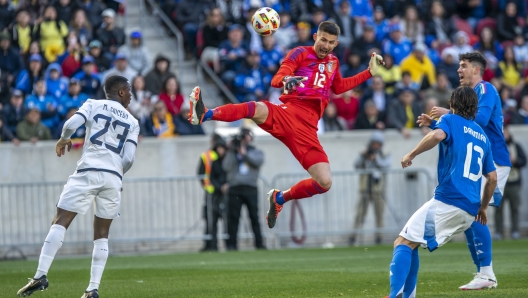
column 322, row 74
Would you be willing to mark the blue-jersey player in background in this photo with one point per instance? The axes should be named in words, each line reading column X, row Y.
column 464, row 157
column 489, row 117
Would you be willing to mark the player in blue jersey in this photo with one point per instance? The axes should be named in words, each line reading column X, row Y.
column 489, row 117
column 464, row 157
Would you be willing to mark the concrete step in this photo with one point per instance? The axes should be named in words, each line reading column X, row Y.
column 157, row 41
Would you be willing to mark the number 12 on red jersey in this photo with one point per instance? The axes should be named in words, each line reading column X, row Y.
column 319, row 80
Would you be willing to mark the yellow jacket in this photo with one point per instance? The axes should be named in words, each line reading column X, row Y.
column 392, row 75
column 419, row 69
column 51, row 35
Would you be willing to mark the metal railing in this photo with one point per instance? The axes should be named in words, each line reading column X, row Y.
column 202, row 67
column 167, row 22
column 170, row 210
column 152, row 210
column 329, row 218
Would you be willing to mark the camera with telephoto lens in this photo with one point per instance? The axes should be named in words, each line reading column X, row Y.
column 241, row 136
column 236, row 141
column 371, row 151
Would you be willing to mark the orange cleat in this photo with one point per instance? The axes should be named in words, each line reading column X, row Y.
column 197, row 106
column 274, row 208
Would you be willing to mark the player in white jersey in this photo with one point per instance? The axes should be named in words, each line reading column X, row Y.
column 108, row 152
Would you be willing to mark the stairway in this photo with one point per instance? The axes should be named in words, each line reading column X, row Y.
column 157, row 41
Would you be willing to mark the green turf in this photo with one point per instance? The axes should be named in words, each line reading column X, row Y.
column 341, row 272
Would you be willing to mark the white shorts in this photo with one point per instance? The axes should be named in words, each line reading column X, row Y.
column 104, row 189
column 502, row 178
column 435, row 223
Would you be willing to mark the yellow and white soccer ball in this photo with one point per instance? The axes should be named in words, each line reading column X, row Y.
column 265, row 21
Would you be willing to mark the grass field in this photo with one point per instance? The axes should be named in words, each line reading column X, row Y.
column 341, row 272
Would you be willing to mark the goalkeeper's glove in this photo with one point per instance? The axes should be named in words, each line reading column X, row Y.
column 290, row 83
column 375, row 61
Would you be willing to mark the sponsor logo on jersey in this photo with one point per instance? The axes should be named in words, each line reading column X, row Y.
column 329, row 66
column 321, row 68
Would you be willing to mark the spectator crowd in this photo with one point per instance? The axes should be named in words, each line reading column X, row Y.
column 55, row 54
column 419, row 40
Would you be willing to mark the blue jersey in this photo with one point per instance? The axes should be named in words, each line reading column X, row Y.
column 489, row 117
column 465, row 155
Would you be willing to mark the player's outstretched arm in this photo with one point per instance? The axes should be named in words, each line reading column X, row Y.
column 68, row 130
column 424, row 120
column 427, row 143
column 60, row 147
column 374, row 63
column 489, row 188
column 437, row 112
column 341, row 85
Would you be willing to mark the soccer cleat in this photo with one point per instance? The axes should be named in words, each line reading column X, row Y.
column 33, row 285
column 480, row 281
column 198, row 108
column 274, row 208
column 91, row 294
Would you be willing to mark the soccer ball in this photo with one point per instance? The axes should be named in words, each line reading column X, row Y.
column 265, row 21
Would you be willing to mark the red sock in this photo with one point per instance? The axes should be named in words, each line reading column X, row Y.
column 234, row 112
column 303, row 189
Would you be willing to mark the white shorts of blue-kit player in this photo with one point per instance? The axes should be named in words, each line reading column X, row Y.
column 435, row 223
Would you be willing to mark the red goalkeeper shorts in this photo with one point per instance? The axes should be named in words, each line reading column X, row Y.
column 295, row 124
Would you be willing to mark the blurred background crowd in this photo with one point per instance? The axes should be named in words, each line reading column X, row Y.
column 419, row 39
column 54, row 54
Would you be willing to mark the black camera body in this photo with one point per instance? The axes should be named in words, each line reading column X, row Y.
column 236, row 141
column 372, row 151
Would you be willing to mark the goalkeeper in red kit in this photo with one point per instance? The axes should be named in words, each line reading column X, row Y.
column 307, row 74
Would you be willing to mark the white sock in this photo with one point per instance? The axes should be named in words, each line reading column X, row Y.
column 99, row 257
column 488, row 270
column 51, row 245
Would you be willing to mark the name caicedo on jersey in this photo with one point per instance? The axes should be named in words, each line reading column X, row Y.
column 116, row 112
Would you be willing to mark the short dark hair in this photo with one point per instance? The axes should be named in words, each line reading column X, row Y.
column 475, row 58
column 464, row 101
column 115, row 83
column 330, row 28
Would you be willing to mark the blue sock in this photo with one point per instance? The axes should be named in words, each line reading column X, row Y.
column 409, row 290
column 280, row 198
column 482, row 239
column 399, row 269
column 471, row 246
column 208, row 115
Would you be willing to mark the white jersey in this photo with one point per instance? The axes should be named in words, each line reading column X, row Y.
column 108, row 127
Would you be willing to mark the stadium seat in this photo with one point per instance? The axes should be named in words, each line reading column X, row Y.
column 521, row 21
column 199, row 42
column 486, row 22
column 462, row 25
column 507, row 43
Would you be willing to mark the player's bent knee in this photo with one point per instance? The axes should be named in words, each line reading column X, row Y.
column 261, row 113
column 402, row 241
column 325, row 183
column 101, row 233
column 63, row 218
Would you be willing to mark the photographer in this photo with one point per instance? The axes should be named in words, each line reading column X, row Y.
column 372, row 184
column 242, row 163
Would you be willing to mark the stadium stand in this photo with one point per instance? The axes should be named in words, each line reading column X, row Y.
column 81, row 40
